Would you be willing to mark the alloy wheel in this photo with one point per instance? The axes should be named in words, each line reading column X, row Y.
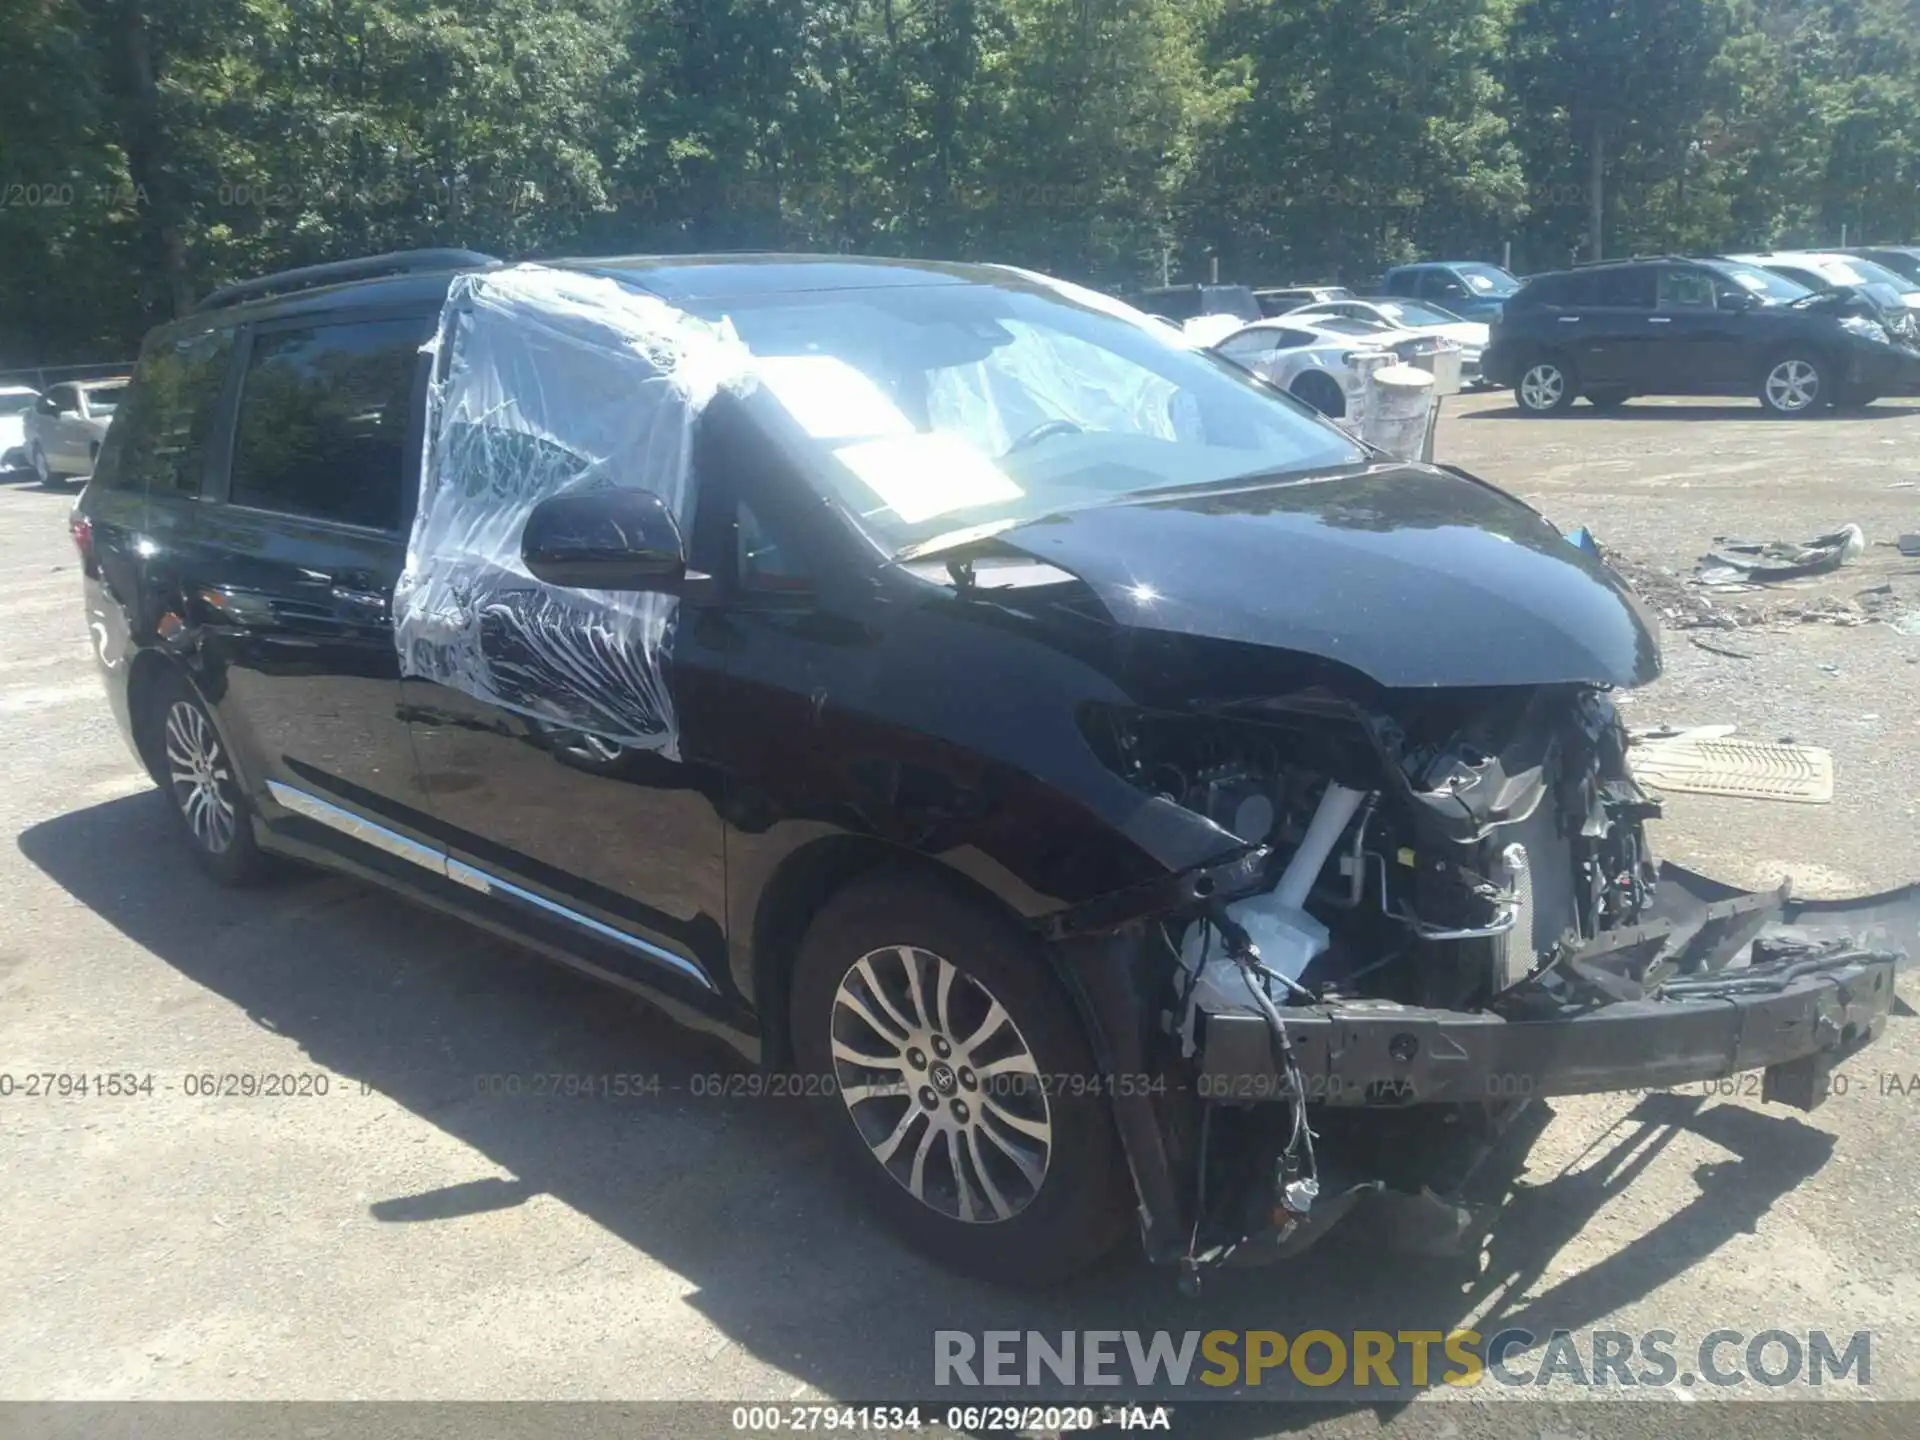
column 1543, row 386
column 1792, row 386
column 197, row 769
column 941, row 1085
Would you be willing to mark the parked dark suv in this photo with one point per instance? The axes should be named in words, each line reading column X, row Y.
column 1064, row 759
column 1677, row 326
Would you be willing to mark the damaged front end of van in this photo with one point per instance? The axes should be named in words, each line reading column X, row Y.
column 1386, row 695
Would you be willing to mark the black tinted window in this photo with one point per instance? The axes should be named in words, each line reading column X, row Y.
column 765, row 562
column 1628, row 288
column 324, row 416
column 1554, row 290
column 158, row 440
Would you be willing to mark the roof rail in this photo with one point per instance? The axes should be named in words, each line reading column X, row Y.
column 307, row 277
column 1624, row 260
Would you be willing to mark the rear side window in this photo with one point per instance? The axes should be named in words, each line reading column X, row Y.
column 1549, row 290
column 158, row 440
column 1247, row 344
column 1629, row 288
column 325, row 413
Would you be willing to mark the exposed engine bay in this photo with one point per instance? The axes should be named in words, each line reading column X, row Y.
column 1442, row 902
column 1434, row 858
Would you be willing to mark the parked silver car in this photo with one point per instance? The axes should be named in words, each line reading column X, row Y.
column 1324, row 367
column 65, row 428
column 1414, row 315
column 15, row 402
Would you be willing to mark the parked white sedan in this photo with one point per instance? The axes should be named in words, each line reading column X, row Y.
column 15, row 402
column 65, row 428
column 1325, row 368
column 1415, row 315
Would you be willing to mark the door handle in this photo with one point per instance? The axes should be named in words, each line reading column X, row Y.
column 371, row 600
column 1569, row 319
column 355, row 590
column 1659, row 319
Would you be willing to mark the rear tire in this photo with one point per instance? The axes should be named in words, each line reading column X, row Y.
column 1795, row 384
column 1322, row 393
column 1545, row 387
column 976, row 1148
column 201, row 787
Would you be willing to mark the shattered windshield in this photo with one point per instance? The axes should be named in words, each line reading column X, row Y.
column 944, row 407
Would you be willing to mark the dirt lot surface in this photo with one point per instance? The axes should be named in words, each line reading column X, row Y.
column 406, row 1235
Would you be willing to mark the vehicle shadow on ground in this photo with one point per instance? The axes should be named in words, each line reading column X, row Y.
column 1750, row 410
column 735, row 1195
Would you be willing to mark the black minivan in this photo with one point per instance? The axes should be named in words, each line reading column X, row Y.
column 1677, row 325
column 1113, row 796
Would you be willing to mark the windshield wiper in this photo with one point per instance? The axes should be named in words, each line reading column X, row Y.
column 954, row 539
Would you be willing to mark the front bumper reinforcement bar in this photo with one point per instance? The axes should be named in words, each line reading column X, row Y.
column 1794, row 1018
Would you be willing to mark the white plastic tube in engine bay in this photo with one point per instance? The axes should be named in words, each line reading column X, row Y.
column 1285, row 935
column 1336, row 808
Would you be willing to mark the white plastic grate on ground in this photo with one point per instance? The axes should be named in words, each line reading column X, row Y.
column 1710, row 762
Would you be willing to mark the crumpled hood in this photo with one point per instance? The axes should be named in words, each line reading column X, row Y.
column 1414, row 576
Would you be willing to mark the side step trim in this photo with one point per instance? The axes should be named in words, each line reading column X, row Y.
column 360, row 828
column 474, row 878
column 391, row 842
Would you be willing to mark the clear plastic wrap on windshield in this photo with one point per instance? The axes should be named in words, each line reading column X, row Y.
column 547, row 381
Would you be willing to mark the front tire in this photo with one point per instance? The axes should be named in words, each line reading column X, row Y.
column 942, row 1053
column 1545, row 387
column 202, row 789
column 1795, row 384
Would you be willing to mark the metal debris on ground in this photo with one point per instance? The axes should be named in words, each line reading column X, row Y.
column 1679, row 605
column 1743, row 562
column 1706, row 760
column 1693, row 603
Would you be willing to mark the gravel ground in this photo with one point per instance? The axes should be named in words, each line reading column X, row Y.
column 405, row 1236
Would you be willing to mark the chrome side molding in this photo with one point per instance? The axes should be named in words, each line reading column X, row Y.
column 360, row 828
column 391, row 842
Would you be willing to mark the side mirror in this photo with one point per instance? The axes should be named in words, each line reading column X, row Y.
column 1735, row 300
column 606, row 540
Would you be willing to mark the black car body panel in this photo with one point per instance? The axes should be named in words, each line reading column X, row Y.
column 1398, row 572
column 1113, row 724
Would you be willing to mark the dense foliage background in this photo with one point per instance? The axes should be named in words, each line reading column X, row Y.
column 150, row 149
